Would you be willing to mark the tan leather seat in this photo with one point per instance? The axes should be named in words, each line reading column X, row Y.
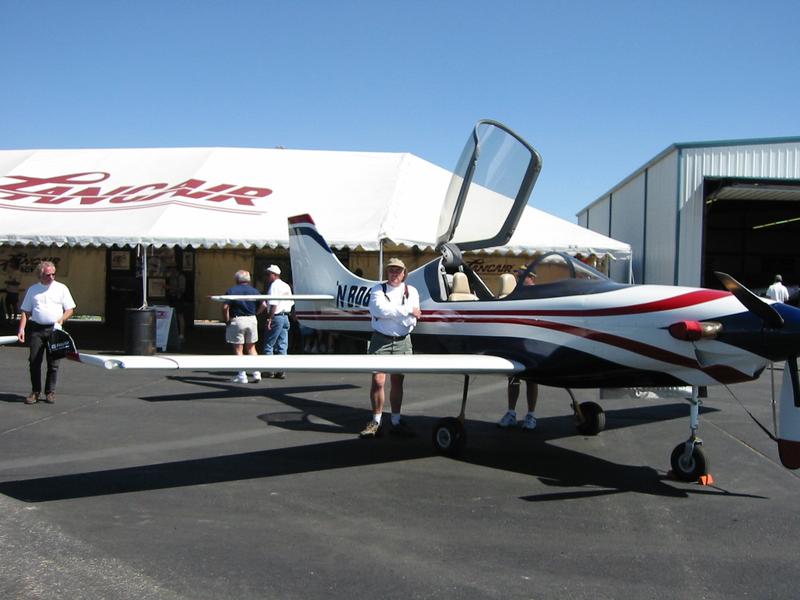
column 461, row 291
column 507, row 284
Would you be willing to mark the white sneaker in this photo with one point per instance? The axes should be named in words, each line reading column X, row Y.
column 529, row 422
column 256, row 376
column 241, row 377
column 509, row 419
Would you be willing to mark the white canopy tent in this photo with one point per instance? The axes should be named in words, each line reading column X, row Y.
column 223, row 197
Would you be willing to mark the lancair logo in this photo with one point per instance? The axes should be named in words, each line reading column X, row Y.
column 80, row 191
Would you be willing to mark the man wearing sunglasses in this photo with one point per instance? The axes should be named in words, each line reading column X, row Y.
column 47, row 305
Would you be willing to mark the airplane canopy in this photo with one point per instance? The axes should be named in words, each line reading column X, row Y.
column 241, row 197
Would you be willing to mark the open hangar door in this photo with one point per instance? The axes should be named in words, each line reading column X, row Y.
column 751, row 230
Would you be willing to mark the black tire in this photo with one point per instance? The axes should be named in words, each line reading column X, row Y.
column 594, row 419
column 449, row 436
column 691, row 469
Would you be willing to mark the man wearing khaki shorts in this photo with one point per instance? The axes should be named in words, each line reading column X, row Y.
column 394, row 306
column 240, row 318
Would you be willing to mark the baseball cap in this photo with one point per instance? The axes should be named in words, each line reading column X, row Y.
column 273, row 269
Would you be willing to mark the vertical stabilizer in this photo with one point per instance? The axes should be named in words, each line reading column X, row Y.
column 317, row 270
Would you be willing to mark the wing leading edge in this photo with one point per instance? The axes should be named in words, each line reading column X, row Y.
column 460, row 364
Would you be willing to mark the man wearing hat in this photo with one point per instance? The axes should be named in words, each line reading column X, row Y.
column 525, row 276
column 394, row 307
column 276, row 337
column 777, row 291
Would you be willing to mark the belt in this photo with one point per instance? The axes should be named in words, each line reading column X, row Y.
column 396, row 338
column 36, row 325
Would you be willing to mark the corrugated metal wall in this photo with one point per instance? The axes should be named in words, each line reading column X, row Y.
column 627, row 216
column 661, row 233
column 597, row 218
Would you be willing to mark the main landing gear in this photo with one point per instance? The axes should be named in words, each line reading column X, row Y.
column 450, row 437
column 449, row 434
column 589, row 416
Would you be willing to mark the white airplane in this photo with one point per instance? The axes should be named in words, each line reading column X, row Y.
column 574, row 329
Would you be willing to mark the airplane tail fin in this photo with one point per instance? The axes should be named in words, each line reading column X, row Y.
column 317, row 270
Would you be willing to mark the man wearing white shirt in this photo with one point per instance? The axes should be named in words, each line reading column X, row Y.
column 276, row 338
column 394, row 306
column 47, row 306
column 777, row 291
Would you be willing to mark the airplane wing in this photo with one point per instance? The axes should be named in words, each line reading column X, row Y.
column 226, row 298
column 7, row 339
column 464, row 364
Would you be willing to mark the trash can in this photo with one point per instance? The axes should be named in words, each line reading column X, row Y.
column 140, row 331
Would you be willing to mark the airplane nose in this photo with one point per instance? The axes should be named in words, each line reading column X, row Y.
column 748, row 331
column 784, row 342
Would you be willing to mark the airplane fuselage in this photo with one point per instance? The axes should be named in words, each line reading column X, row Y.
column 581, row 333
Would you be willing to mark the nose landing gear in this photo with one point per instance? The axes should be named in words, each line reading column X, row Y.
column 688, row 461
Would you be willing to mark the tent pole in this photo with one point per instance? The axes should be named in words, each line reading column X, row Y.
column 143, row 249
column 380, row 259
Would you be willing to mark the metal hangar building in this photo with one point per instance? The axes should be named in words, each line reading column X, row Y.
column 696, row 208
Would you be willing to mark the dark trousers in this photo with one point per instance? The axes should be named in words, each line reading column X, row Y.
column 37, row 340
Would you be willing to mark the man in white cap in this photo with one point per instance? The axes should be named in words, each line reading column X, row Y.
column 276, row 337
column 394, row 306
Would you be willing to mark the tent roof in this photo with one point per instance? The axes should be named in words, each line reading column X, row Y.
column 219, row 197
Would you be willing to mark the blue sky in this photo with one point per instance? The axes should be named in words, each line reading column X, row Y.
column 598, row 88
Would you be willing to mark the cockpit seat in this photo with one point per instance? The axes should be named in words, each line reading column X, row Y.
column 460, row 291
column 507, row 284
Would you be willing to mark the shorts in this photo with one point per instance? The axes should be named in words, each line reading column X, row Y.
column 242, row 330
column 385, row 344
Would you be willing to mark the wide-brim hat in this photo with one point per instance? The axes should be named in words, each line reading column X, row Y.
column 395, row 262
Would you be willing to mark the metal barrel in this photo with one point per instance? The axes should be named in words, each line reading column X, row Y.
column 140, row 331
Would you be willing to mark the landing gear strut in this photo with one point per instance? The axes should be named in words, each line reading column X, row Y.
column 449, row 435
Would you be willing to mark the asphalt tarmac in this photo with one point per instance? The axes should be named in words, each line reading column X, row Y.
column 186, row 486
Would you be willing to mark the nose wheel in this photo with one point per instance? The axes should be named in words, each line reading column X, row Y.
column 689, row 464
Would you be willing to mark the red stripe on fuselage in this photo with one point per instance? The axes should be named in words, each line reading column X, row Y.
column 721, row 373
column 673, row 303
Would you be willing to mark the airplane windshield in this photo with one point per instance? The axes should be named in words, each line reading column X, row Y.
column 489, row 189
column 555, row 266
